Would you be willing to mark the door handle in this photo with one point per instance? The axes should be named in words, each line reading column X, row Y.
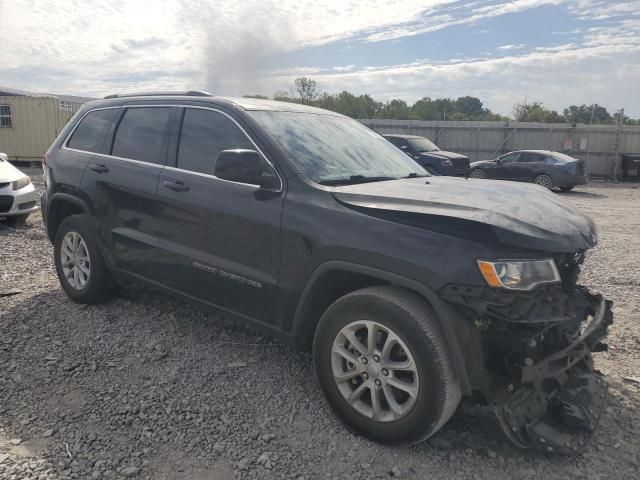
column 99, row 168
column 175, row 185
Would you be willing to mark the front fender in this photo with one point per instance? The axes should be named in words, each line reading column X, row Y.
column 447, row 317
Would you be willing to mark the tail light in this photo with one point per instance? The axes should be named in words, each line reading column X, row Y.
column 44, row 161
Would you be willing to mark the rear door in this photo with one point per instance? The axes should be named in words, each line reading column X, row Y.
column 122, row 186
column 529, row 163
column 219, row 240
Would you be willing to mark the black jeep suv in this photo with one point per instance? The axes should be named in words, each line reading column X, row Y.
column 413, row 291
column 429, row 156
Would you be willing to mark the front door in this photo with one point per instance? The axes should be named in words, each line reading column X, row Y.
column 219, row 240
column 506, row 167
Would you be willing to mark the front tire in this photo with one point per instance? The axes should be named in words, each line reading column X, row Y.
column 384, row 366
column 81, row 270
column 477, row 173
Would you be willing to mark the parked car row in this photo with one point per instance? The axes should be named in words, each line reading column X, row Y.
column 542, row 167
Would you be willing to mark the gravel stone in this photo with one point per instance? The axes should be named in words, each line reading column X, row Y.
column 146, row 382
column 129, row 472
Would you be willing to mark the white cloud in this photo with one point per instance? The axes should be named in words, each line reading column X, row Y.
column 607, row 74
column 440, row 22
column 511, row 46
column 344, row 68
column 95, row 47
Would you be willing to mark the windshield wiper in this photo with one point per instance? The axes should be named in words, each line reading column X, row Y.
column 353, row 179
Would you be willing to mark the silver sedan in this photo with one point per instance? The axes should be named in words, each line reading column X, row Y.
column 18, row 197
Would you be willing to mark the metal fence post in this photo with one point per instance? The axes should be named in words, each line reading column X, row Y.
column 477, row 154
column 617, row 144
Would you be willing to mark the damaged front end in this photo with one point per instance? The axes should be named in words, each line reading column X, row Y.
column 537, row 381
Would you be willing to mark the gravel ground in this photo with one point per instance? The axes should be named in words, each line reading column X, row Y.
column 147, row 387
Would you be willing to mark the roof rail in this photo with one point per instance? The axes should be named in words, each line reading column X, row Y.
column 190, row 93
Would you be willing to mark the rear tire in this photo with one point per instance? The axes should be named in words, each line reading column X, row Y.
column 81, row 270
column 477, row 173
column 412, row 379
column 544, row 180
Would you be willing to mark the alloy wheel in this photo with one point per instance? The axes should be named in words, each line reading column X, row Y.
column 75, row 260
column 544, row 181
column 374, row 371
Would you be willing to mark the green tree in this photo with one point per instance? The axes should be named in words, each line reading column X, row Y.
column 470, row 107
column 536, row 112
column 582, row 114
column 395, row 109
column 428, row 109
column 307, row 89
column 348, row 104
column 284, row 96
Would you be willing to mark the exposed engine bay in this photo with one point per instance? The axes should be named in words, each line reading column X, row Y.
column 538, row 379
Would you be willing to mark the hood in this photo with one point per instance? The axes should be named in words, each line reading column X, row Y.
column 522, row 215
column 443, row 154
column 482, row 162
column 9, row 173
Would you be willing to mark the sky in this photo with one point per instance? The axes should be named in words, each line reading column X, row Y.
column 559, row 52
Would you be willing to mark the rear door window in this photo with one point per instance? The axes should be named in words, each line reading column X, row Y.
column 527, row 157
column 206, row 133
column 90, row 133
column 143, row 134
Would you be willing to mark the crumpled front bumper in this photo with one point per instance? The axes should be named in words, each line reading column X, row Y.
column 548, row 395
column 560, row 419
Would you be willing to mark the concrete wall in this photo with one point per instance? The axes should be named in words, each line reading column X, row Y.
column 485, row 140
column 36, row 121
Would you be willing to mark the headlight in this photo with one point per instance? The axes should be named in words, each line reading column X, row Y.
column 20, row 183
column 446, row 163
column 519, row 274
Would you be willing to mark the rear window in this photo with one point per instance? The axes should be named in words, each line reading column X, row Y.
column 142, row 134
column 89, row 134
column 561, row 158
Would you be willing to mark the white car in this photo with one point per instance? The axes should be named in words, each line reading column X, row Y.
column 18, row 197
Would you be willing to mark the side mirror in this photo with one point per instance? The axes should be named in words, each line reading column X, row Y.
column 403, row 147
column 246, row 166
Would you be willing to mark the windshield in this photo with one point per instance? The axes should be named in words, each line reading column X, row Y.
column 422, row 145
column 330, row 149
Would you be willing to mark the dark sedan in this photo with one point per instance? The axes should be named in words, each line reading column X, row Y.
column 543, row 167
column 429, row 156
